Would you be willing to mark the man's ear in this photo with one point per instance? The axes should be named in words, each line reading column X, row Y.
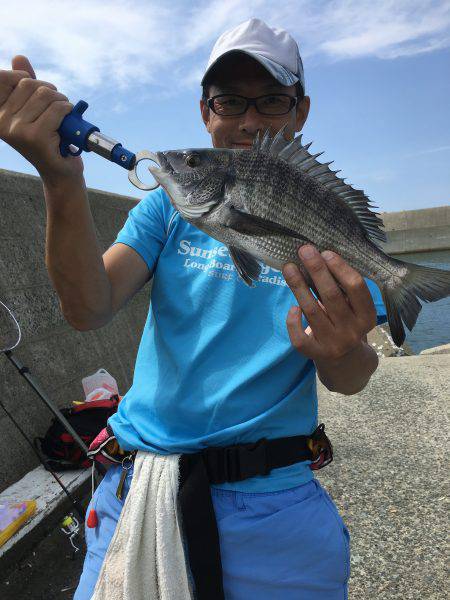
column 204, row 109
column 302, row 113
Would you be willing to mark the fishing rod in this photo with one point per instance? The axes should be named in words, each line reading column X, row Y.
column 76, row 504
column 10, row 337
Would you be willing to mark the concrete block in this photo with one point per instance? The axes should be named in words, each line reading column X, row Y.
column 36, row 310
column 381, row 341
column 17, row 457
column 16, row 184
column 57, row 355
column 14, row 254
column 108, row 220
column 114, row 202
column 417, row 230
column 444, row 349
column 19, row 219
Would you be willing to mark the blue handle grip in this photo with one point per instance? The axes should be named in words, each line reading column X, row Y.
column 76, row 131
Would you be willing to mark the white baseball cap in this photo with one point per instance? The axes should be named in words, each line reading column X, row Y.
column 275, row 49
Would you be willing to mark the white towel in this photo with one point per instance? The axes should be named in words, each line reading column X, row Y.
column 146, row 558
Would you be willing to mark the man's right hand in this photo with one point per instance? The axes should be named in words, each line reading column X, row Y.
column 31, row 112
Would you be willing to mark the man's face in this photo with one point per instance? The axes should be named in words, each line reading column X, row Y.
column 241, row 74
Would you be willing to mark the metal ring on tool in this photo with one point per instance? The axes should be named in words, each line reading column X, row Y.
column 132, row 175
column 130, row 458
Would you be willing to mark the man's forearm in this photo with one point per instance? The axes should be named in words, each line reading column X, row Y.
column 351, row 373
column 74, row 257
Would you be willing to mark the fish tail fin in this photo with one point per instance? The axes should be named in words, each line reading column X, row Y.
column 402, row 300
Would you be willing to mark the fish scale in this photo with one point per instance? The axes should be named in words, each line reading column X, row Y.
column 307, row 221
column 264, row 203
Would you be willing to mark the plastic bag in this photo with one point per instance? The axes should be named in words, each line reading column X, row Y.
column 99, row 386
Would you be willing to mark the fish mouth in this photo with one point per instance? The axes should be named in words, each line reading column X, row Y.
column 163, row 163
column 161, row 167
column 241, row 145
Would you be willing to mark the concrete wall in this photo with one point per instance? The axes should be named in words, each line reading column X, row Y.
column 417, row 230
column 57, row 355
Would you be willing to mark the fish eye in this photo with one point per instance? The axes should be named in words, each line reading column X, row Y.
column 193, row 160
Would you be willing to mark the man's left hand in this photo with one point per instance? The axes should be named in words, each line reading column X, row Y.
column 338, row 324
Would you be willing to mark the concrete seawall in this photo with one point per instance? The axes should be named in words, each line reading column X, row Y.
column 417, row 230
column 57, row 355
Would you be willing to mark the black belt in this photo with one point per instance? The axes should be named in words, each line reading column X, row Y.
column 232, row 463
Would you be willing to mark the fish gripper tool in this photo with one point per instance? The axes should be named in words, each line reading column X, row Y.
column 75, row 131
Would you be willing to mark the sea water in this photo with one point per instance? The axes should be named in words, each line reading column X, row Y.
column 433, row 324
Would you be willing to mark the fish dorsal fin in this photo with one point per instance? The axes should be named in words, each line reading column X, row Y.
column 256, row 142
column 299, row 156
column 266, row 142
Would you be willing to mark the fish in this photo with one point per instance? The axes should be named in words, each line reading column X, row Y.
column 267, row 201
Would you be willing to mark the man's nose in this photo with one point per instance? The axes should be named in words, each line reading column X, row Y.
column 251, row 121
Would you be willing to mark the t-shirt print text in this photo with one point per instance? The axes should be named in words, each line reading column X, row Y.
column 216, row 262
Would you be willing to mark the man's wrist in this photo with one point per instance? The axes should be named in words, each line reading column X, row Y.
column 63, row 195
column 350, row 373
column 348, row 357
column 62, row 185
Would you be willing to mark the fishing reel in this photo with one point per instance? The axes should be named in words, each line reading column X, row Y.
column 70, row 526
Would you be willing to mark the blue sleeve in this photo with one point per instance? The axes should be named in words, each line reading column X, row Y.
column 145, row 229
column 377, row 300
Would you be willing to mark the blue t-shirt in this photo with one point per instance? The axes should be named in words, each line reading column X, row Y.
column 215, row 365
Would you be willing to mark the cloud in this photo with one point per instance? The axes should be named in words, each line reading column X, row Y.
column 428, row 151
column 386, row 29
column 105, row 43
column 380, row 176
column 114, row 46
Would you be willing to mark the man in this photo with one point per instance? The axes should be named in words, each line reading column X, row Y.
column 219, row 364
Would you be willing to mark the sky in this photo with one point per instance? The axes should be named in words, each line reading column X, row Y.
column 378, row 74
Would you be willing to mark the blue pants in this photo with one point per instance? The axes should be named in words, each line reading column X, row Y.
column 290, row 544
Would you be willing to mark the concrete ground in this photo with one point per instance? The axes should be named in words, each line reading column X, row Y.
column 49, row 572
column 388, row 479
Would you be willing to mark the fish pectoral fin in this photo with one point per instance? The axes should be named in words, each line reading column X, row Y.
column 247, row 266
column 244, row 222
